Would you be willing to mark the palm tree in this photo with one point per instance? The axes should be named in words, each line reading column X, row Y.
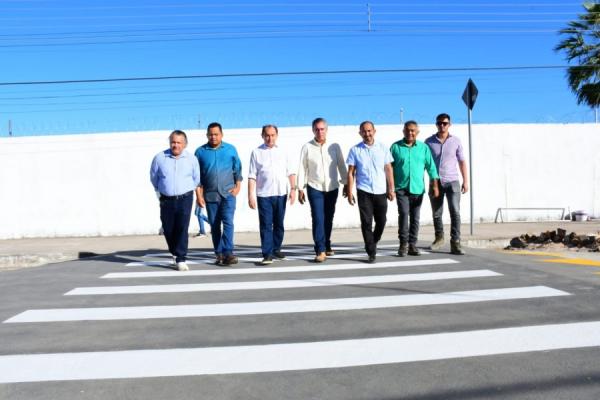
column 583, row 45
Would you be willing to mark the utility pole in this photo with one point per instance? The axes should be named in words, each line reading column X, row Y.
column 9, row 127
column 401, row 115
column 199, row 121
column 368, row 17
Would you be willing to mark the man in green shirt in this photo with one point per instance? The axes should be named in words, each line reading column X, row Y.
column 411, row 159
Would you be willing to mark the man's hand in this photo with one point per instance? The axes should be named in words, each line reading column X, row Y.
column 436, row 191
column 200, row 201
column 292, row 197
column 252, row 202
column 465, row 187
column 235, row 190
column 345, row 191
column 301, row 197
column 350, row 197
column 391, row 195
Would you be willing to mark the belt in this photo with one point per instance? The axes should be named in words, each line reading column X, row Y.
column 179, row 196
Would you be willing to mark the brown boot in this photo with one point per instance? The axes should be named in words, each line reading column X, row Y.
column 320, row 257
column 402, row 250
column 456, row 248
column 413, row 250
column 438, row 242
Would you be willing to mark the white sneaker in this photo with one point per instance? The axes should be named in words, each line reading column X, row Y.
column 182, row 266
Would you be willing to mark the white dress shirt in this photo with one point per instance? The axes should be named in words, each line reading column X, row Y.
column 270, row 168
column 322, row 167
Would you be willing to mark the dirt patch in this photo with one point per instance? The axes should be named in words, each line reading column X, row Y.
column 556, row 240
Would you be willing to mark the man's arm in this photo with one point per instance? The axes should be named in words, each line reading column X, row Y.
column 293, row 188
column 389, row 179
column 200, row 196
column 302, row 173
column 462, row 165
column 251, row 189
column 350, row 185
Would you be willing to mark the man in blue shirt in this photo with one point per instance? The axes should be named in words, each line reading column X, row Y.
column 221, row 177
column 175, row 174
column 370, row 164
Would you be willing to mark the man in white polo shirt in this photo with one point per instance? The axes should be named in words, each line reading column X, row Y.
column 268, row 175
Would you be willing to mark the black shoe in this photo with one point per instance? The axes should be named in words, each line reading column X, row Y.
column 278, row 255
column 267, row 260
column 372, row 259
column 413, row 251
column 229, row 260
column 218, row 259
column 329, row 252
column 402, row 250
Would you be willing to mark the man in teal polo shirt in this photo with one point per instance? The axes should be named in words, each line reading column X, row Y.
column 411, row 159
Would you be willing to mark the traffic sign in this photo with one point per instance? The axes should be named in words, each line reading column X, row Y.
column 470, row 94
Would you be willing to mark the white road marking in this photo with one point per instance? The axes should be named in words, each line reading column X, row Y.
column 269, row 270
column 295, row 356
column 281, row 307
column 190, row 260
column 281, row 284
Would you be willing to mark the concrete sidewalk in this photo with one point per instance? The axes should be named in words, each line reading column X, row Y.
column 22, row 253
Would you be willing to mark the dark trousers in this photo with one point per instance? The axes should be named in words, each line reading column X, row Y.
column 271, row 211
column 220, row 213
column 371, row 206
column 409, row 207
column 175, row 217
column 452, row 192
column 322, row 209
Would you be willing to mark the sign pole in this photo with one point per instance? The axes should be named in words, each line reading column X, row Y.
column 469, row 97
column 470, row 168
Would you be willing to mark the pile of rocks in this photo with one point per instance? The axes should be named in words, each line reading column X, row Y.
column 553, row 238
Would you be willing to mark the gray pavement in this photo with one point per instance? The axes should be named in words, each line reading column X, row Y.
column 20, row 253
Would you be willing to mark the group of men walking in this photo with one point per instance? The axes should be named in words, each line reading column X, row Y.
column 380, row 174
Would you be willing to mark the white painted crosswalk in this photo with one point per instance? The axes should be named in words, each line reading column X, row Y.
column 274, row 270
column 280, row 307
column 87, row 303
column 280, row 284
column 295, row 356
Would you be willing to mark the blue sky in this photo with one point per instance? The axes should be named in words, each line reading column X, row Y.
column 56, row 40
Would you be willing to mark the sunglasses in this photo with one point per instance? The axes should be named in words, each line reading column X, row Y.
column 442, row 123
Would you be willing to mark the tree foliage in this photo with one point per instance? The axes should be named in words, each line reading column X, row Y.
column 582, row 45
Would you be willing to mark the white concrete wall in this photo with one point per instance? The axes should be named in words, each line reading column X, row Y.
column 84, row 185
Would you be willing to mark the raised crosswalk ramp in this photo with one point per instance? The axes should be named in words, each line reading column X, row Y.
column 88, row 303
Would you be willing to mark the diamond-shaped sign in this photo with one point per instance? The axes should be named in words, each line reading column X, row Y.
column 470, row 94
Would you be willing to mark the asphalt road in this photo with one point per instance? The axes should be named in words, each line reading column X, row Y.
column 125, row 326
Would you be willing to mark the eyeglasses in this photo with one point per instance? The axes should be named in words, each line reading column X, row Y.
column 445, row 123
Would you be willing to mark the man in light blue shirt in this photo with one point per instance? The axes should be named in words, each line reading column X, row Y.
column 175, row 174
column 370, row 165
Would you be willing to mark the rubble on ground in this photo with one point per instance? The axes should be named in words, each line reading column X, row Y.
column 555, row 239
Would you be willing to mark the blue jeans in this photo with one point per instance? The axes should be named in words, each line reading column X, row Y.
column 271, row 211
column 452, row 192
column 322, row 209
column 175, row 215
column 201, row 218
column 221, row 213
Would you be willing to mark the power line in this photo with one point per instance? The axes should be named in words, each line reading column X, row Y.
column 290, row 73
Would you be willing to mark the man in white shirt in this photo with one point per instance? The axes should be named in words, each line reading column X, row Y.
column 321, row 171
column 268, row 175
